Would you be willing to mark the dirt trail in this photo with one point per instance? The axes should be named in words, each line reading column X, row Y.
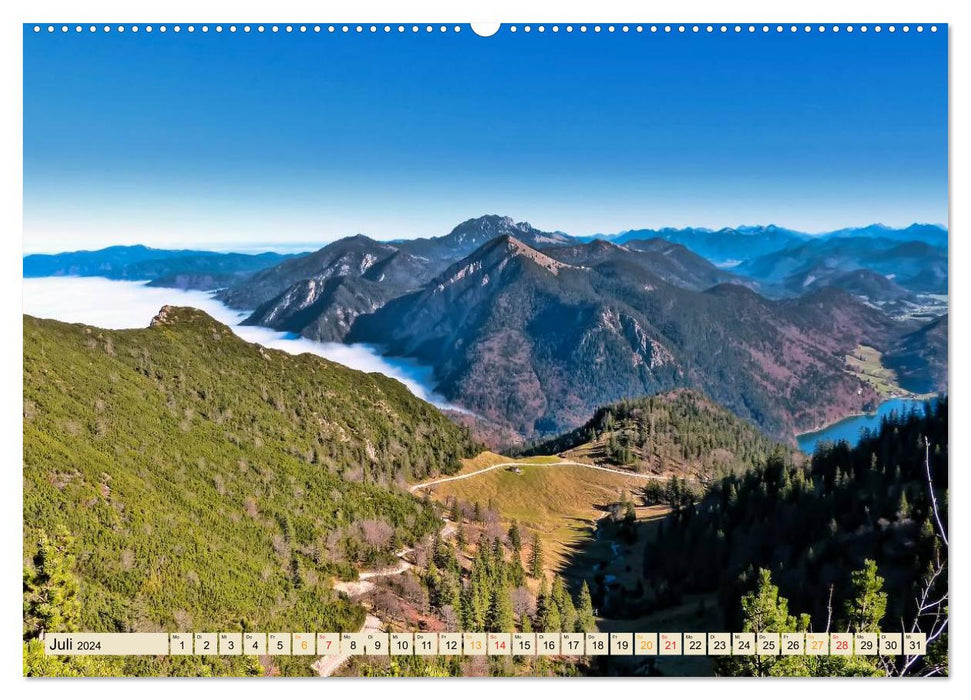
column 326, row 665
column 363, row 584
column 564, row 463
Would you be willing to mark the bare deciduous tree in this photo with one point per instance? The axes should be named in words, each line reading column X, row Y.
column 523, row 602
column 931, row 603
column 375, row 533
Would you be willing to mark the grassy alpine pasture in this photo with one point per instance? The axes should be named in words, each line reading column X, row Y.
column 560, row 503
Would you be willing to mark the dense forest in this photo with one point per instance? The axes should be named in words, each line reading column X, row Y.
column 866, row 521
column 483, row 577
column 178, row 477
column 679, row 431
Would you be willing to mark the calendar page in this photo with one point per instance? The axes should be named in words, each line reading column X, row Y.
column 523, row 349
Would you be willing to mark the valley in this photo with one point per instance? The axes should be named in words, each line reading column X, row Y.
column 613, row 539
column 528, row 331
column 373, row 511
column 606, row 406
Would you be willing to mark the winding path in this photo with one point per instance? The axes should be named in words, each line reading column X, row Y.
column 564, row 463
column 327, row 665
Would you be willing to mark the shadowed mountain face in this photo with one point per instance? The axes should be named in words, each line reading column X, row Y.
column 348, row 257
column 322, row 310
column 920, row 358
column 349, row 277
column 527, row 339
column 861, row 283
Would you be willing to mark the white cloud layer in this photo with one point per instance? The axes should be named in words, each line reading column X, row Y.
column 122, row 304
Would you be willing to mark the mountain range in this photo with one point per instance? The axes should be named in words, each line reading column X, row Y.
column 733, row 245
column 532, row 330
column 301, row 296
column 522, row 337
column 176, row 475
column 184, row 269
column 722, row 246
column 910, row 266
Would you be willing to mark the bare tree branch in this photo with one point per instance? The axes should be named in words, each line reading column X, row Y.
column 932, row 610
column 829, row 609
column 930, row 488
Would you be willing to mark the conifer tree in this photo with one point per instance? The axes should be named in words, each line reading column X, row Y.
column 526, row 624
column 764, row 610
column 51, row 588
column 585, row 619
column 515, row 538
column 498, row 558
column 516, row 573
column 903, row 506
column 536, row 558
column 470, row 613
column 868, row 604
column 568, row 613
column 551, row 620
column 547, row 613
column 500, row 616
column 432, row 581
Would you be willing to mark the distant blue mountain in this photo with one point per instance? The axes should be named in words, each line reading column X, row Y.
column 931, row 234
column 188, row 269
column 728, row 246
column 725, row 246
column 912, row 264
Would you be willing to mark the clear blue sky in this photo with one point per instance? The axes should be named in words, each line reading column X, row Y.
column 235, row 140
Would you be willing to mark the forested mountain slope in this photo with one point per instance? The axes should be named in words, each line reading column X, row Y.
column 211, row 483
column 811, row 528
column 680, row 432
column 521, row 337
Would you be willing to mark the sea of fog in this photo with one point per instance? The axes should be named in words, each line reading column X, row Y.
column 115, row 304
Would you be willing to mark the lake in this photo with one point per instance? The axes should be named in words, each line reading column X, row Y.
column 850, row 429
column 116, row 304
